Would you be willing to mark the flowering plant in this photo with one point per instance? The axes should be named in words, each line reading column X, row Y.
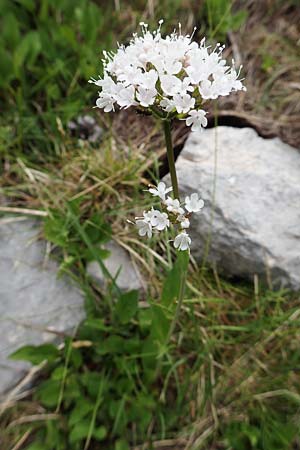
column 171, row 78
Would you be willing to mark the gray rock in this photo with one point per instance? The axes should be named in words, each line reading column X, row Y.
column 35, row 305
column 255, row 227
column 118, row 263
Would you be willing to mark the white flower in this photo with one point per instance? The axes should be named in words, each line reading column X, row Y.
column 184, row 221
column 173, row 205
column 193, row 203
column 197, row 119
column 125, row 97
column 170, row 84
column 158, row 220
column 146, row 97
column 160, row 191
column 150, row 216
column 182, row 241
column 167, row 104
column 183, row 103
column 161, row 221
column 105, row 101
column 144, row 227
column 148, row 80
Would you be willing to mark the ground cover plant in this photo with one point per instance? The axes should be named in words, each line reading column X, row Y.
column 228, row 376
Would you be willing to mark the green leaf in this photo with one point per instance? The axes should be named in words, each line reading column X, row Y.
column 28, row 50
column 82, row 408
column 6, row 67
column 97, row 230
column 90, row 380
column 127, row 306
column 100, row 433
column 36, row 354
column 80, row 431
column 36, row 446
column 97, row 324
column 172, row 284
column 121, row 444
column 56, row 229
column 160, row 324
column 10, row 32
column 48, row 392
column 113, row 344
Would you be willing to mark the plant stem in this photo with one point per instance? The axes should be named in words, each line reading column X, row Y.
column 172, row 169
column 171, row 159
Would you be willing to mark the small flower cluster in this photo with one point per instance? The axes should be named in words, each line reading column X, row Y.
column 172, row 213
column 170, row 76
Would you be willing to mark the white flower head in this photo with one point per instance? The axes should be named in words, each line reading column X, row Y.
column 182, row 241
column 173, row 206
column 194, row 203
column 160, row 191
column 168, row 75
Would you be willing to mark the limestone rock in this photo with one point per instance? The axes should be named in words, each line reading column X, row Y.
column 254, row 222
column 35, row 305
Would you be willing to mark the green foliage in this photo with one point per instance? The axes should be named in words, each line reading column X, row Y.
column 48, row 52
column 36, row 354
column 80, row 241
column 103, row 392
column 267, row 430
column 127, row 306
column 172, row 283
column 221, row 18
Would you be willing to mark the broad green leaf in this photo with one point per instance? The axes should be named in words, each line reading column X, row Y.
column 48, row 392
column 160, row 324
column 10, row 32
column 82, row 408
column 127, row 306
column 113, row 344
column 121, row 444
column 91, row 381
column 172, row 284
column 36, row 446
column 99, row 433
column 80, row 431
column 56, row 229
column 6, row 67
column 97, row 324
column 36, row 354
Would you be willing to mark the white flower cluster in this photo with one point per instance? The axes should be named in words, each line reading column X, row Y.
column 172, row 213
column 171, row 76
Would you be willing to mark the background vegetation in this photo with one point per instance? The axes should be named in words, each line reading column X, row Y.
column 229, row 377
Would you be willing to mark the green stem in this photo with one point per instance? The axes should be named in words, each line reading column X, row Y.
column 171, row 159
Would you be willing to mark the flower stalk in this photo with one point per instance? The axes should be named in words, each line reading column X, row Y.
column 173, row 174
column 171, row 159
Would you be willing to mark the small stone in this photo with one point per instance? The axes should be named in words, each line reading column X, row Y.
column 35, row 305
column 118, row 262
column 86, row 128
column 253, row 223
